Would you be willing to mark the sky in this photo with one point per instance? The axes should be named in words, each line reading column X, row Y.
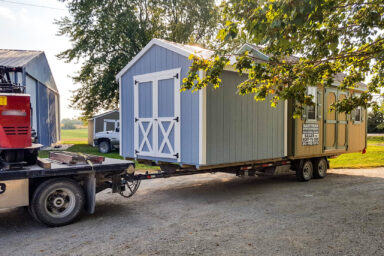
column 26, row 27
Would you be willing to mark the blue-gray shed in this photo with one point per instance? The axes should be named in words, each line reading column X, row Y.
column 40, row 85
column 208, row 127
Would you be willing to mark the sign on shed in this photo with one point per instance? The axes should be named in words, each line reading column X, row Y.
column 310, row 134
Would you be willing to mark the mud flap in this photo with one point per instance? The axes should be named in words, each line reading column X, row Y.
column 90, row 190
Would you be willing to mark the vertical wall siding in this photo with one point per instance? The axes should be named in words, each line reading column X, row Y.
column 100, row 121
column 239, row 128
column 52, row 112
column 43, row 110
column 32, row 90
column 154, row 60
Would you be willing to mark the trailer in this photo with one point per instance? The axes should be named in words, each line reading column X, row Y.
column 57, row 193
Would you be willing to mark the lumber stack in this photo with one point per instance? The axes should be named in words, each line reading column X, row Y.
column 75, row 158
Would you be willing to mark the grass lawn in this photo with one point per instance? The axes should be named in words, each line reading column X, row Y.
column 376, row 140
column 373, row 158
column 74, row 136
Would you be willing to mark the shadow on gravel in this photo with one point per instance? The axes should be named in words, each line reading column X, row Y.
column 192, row 190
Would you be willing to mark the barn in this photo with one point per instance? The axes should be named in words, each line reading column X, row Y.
column 37, row 77
column 217, row 127
column 107, row 121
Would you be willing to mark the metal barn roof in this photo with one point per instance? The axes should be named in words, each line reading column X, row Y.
column 35, row 64
column 17, row 58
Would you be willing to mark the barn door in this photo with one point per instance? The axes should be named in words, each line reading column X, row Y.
column 335, row 123
column 157, row 114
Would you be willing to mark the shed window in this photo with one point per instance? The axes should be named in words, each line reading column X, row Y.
column 357, row 115
column 311, row 110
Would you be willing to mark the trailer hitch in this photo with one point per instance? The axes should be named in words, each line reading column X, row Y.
column 129, row 185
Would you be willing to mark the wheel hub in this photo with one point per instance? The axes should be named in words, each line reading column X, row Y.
column 60, row 203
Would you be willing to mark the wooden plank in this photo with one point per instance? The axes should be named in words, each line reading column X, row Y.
column 43, row 163
column 75, row 158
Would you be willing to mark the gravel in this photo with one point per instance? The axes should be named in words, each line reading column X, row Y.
column 218, row 214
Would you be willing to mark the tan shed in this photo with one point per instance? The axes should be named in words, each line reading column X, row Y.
column 322, row 132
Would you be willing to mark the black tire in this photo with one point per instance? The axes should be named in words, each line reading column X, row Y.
column 304, row 171
column 19, row 155
column 104, row 147
column 30, row 157
column 57, row 202
column 9, row 156
column 320, row 168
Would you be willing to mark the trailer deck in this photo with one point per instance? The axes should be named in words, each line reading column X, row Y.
column 60, row 169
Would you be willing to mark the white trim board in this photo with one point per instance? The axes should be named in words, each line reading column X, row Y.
column 286, row 128
column 121, row 121
column 202, row 122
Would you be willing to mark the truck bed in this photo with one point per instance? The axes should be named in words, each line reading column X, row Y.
column 59, row 169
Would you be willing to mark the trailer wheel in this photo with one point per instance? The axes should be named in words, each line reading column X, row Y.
column 104, row 147
column 320, row 168
column 305, row 170
column 57, row 202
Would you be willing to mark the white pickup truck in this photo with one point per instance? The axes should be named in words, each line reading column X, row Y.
column 107, row 141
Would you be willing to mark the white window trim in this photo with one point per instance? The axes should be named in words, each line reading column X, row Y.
column 115, row 122
column 312, row 90
column 154, row 78
column 361, row 113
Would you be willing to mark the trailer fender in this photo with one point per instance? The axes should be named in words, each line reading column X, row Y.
column 90, row 192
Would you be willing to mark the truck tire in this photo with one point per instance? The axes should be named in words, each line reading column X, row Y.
column 304, row 171
column 104, row 147
column 57, row 202
column 320, row 168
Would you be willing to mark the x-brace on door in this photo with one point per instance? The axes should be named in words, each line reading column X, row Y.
column 157, row 114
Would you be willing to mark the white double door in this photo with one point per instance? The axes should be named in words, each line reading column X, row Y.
column 157, row 114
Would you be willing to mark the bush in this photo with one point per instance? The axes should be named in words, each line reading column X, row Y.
column 376, row 122
column 70, row 123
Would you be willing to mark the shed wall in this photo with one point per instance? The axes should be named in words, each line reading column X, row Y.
column 240, row 129
column 90, row 131
column 331, row 140
column 100, row 120
column 154, row 60
column 43, row 113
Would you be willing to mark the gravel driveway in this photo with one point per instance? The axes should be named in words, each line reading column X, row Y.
column 218, row 214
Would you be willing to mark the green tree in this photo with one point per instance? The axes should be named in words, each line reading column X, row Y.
column 375, row 122
column 106, row 35
column 308, row 42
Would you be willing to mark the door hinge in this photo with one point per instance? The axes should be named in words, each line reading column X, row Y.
column 136, row 119
column 176, row 76
column 136, row 82
column 176, row 119
column 176, row 155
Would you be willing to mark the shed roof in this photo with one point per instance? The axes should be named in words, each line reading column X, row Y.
column 104, row 114
column 17, row 58
column 35, row 64
column 182, row 49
